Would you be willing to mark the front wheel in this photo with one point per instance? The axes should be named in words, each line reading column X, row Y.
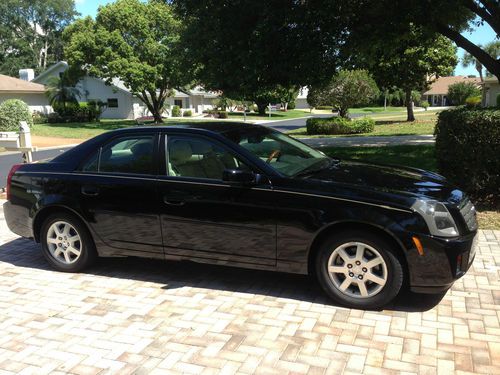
column 359, row 270
column 66, row 243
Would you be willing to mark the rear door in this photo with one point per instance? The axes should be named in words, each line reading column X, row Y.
column 119, row 193
column 204, row 217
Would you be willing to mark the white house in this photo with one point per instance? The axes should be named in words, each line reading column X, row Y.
column 491, row 91
column 301, row 101
column 31, row 93
column 121, row 103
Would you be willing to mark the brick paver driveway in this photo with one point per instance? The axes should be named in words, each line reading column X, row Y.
column 138, row 316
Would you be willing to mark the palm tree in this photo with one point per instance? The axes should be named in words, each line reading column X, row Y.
column 60, row 93
column 492, row 48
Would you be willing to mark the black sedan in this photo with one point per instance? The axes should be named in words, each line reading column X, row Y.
column 246, row 196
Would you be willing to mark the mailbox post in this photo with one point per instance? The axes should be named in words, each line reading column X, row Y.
column 25, row 142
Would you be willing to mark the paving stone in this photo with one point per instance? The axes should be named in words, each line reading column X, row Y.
column 135, row 316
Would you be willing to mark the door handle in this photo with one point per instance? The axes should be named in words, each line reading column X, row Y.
column 173, row 202
column 91, row 191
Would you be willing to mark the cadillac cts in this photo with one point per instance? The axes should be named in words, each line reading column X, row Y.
column 246, row 196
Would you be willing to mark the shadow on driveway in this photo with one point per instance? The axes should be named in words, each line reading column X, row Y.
column 25, row 253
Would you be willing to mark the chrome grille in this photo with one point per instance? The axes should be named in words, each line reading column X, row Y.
column 468, row 212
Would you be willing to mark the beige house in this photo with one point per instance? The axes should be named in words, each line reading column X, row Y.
column 491, row 90
column 31, row 93
column 437, row 95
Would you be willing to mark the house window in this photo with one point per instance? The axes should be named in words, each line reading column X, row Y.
column 178, row 102
column 112, row 103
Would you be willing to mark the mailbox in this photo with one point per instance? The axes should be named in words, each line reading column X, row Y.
column 9, row 140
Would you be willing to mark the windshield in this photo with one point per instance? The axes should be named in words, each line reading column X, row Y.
column 284, row 154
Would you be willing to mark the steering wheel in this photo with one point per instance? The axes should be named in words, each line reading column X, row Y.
column 272, row 155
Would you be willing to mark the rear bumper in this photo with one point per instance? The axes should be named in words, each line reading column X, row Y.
column 18, row 219
column 444, row 261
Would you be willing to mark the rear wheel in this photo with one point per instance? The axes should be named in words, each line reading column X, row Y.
column 359, row 270
column 66, row 243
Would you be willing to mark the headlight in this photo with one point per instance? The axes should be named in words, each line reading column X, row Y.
column 437, row 217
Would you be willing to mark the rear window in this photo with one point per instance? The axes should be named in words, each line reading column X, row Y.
column 131, row 155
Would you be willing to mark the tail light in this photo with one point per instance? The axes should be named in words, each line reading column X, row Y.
column 13, row 170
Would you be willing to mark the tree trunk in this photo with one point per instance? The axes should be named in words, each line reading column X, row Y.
column 343, row 112
column 157, row 116
column 262, row 108
column 409, row 106
column 479, row 68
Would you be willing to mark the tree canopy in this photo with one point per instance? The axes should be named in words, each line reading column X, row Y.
column 30, row 33
column 411, row 64
column 136, row 42
column 345, row 90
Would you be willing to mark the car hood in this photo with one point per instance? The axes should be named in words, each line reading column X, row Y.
column 385, row 181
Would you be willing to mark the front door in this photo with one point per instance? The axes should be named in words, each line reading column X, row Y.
column 201, row 216
column 119, row 194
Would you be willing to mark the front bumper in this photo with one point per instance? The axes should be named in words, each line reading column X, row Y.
column 18, row 220
column 444, row 261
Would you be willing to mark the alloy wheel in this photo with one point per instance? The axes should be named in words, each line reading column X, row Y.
column 64, row 242
column 357, row 269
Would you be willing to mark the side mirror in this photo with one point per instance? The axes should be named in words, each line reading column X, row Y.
column 239, row 177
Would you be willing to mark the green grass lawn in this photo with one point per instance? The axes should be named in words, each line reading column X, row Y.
column 424, row 124
column 86, row 130
column 421, row 156
column 275, row 115
column 372, row 110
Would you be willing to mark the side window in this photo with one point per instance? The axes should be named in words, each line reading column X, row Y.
column 124, row 155
column 199, row 158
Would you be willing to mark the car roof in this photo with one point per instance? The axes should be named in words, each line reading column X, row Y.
column 212, row 126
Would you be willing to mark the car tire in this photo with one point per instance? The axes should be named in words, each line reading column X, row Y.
column 66, row 243
column 349, row 260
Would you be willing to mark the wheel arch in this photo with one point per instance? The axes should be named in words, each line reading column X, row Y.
column 337, row 227
column 45, row 212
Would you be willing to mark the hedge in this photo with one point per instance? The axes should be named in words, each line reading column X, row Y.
column 339, row 125
column 176, row 111
column 12, row 112
column 468, row 151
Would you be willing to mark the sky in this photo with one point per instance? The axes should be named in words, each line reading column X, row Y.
column 482, row 35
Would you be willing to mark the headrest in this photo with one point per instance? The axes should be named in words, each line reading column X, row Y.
column 180, row 151
column 142, row 149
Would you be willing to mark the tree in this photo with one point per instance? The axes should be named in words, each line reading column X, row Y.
column 449, row 18
column 136, row 42
column 459, row 92
column 411, row 63
column 249, row 50
column 492, row 48
column 61, row 93
column 347, row 89
column 30, row 33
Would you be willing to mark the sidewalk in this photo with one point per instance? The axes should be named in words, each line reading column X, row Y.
column 372, row 141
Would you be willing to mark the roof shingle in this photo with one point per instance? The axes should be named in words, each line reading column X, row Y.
column 16, row 85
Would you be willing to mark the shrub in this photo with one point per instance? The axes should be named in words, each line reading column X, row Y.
column 473, row 101
column 12, row 112
column 325, row 107
column 39, row 118
column 339, row 125
column 467, row 150
column 460, row 91
column 176, row 111
column 498, row 100
column 425, row 104
column 222, row 114
column 187, row 113
column 291, row 105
